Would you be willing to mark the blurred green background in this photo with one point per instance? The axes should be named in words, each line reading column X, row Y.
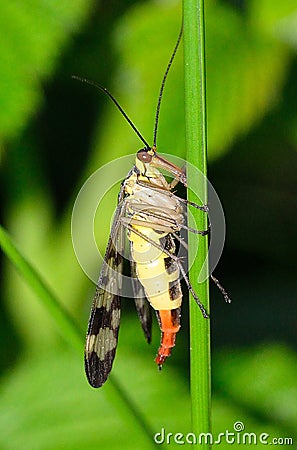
column 55, row 131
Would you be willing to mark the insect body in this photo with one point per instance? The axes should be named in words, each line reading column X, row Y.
column 151, row 228
column 151, row 216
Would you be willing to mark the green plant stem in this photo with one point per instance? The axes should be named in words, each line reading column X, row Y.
column 65, row 323
column 195, row 118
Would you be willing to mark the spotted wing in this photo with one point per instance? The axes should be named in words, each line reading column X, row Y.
column 143, row 307
column 103, row 328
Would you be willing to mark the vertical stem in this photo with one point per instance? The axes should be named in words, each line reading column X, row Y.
column 195, row 118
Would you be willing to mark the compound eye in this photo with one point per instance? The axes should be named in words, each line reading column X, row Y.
column 144, row 156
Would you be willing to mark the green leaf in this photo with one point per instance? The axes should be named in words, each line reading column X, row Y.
column 33, row 33
column 47, row 403
column 68, row 328
column 268, row 374
column 276, row 19
column 245, row 75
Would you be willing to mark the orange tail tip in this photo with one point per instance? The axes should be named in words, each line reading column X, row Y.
column 161, row 357
column 169, row 324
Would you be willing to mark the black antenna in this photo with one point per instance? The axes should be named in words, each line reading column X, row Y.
column 163, row 85
column 98, row 86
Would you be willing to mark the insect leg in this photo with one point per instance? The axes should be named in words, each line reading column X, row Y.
column 126, row 220
column 173, row 223
column 220, row 287
column 171, row 230
column 177, row 260
column 170, row 194
column 194, row 231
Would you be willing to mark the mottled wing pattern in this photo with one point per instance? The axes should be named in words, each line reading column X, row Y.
column 143, row 307
column 103, row 328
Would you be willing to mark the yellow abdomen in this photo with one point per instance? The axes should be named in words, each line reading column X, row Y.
column 161, row 285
